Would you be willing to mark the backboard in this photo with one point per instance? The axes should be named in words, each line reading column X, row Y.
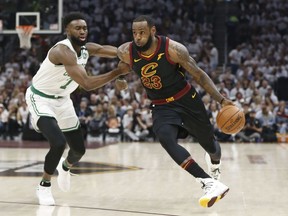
column 44, row 15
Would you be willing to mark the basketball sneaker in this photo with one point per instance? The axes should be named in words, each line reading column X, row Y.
column 213, row 191
column 45, row 210
column 213, row 169
column 44, row 195
column 63, row 178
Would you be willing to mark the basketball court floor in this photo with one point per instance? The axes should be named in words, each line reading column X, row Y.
column 139, row 179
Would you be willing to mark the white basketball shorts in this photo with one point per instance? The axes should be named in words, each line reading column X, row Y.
column 61, row 109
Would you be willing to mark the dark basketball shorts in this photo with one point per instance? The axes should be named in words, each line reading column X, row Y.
column 188, row 113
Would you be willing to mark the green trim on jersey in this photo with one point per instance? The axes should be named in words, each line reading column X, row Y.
column 36, row 91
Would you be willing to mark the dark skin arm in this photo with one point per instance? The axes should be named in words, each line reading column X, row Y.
column 108, row 52
column 61, row 54
column 123, row 53
column 105, row 51
column 179, row 54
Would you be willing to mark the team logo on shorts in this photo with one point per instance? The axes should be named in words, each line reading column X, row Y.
column 194, row 95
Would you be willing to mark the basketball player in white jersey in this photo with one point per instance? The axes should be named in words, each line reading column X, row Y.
column 49, row 102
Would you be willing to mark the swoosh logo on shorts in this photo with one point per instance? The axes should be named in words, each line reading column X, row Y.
column 194, row 95
column 137, row 60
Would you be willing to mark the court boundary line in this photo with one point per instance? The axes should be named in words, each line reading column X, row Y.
column 92, row 208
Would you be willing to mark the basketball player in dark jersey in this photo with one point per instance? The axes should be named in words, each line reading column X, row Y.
column 177, row 109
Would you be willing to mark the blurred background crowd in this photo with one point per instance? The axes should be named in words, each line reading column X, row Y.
column 241, row 45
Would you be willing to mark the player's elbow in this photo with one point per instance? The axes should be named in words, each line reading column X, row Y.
column 86, row 85
column 86, row 88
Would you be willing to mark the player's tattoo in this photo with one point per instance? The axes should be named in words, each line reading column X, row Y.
column 182, row 54
column 203, row 80
column 186, row 61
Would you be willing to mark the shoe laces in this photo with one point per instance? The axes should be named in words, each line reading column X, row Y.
column 207, row 186
column 215, row 172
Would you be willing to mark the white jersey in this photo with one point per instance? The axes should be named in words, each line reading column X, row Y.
column 53, row 79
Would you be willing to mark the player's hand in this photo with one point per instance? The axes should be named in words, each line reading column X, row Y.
column 123, row 68
column 121, row 84
column 226, row 102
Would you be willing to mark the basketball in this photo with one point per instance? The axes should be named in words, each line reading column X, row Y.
column 230, row 119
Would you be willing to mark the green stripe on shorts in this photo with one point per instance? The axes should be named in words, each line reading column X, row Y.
column 35, row 108
column 71, row 128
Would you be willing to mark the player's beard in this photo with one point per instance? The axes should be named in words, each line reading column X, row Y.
column 77, row 41
column 144, row 47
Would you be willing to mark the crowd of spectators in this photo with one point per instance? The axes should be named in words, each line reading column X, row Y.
column 255, row 65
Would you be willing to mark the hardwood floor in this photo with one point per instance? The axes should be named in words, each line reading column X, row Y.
column 125, row 179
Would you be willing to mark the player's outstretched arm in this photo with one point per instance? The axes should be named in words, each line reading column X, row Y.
column 61, row 54
column 179, row 54
column 106, row 51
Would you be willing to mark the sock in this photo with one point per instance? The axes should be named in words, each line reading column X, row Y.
column 45, row 183
column 194, row 169
column 65, row 166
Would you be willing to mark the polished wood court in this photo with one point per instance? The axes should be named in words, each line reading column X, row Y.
column 138, row 179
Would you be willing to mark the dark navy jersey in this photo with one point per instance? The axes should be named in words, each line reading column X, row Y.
column 160, row 76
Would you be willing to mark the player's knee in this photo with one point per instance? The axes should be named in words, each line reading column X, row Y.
column 163, row 135
column 166, row 138
column 59, row 144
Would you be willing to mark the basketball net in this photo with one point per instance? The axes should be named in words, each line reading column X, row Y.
column 25, row 33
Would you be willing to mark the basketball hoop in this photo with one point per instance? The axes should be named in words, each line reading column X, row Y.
column 25, row 33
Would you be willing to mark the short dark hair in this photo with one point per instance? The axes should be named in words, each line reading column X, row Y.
column 146, row 18
column 72, row 16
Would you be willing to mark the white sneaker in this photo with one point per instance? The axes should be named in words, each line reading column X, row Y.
column 213, row 169
column 63, row 177
column 44, row 195
column 45, row 210
column 213, row 191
